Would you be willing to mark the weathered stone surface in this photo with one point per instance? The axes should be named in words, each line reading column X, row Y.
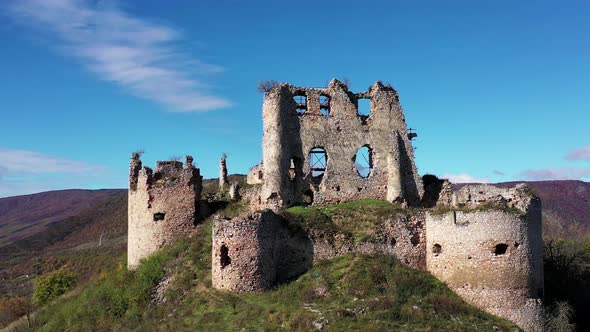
column 234, row 191
column 485, row 242
column 223, row 171
column 289, row 136
column 492, row 258
column 264, row 249
column 163, row 205
column 255, row 175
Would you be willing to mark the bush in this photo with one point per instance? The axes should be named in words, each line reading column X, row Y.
column 52, row 285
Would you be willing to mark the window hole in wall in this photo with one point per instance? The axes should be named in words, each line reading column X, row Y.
column 307, row 197
column 363, row 161
column 224, row 258
column 259, row 175
column 157, row 176
column 364, row 107
column 159, row 216
column 300, row 103
column 500, row 249
column 295, row 169
column 436, row 249
column 516, row 244
column 318, row 160
column 325, row 105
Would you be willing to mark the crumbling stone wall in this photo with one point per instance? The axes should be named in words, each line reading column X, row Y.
column 223, row 180
column 163, row 205
column 491, row 256
column 293, row 128
column 258, row 251
column 255, row 175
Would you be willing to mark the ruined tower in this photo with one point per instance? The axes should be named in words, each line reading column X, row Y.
column 315, row 140
column 163, row 205
column 223, row 181
column 488, row 248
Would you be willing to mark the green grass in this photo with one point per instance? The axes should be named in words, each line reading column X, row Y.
column 358, row 219
column 350, row 293
column 440, row 210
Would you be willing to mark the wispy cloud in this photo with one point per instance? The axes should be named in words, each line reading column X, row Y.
column 142, row 57
column 464, row 178
column 24, row 161
column 26, row 172
column 582, row 153
column 564, row 173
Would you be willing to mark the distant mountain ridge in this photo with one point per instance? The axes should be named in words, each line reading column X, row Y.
column 26, row 215
column 564, row 202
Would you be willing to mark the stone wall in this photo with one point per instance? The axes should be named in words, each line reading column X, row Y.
column 492, row 258
column 263, row 249
column 297, row 120
column 255, row 175
column 163, row 205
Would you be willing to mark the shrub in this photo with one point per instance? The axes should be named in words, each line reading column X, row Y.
column 52, row 285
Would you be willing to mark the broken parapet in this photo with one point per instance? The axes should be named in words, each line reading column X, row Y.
column 316, row 140
column 163, row 205
column 255, row 175
column 484, row 195
column 486, row 244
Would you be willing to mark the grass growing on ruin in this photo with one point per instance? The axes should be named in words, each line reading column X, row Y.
column 358, row 219
column 440, row 210
column 354, row 292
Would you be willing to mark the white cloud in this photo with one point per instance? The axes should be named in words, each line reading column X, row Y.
column 564, row 173
column 142, row 57
column 464, row 178
column 24, row 161
column 582, row 153
column 25, row 172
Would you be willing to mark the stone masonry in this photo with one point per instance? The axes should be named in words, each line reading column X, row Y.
column 258, row 251
column 491, row 251
column 311, row 139
column 483, row 241
column 163, row 205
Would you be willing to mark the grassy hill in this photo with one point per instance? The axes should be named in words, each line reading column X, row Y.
column 172, row 291
column 90, row 240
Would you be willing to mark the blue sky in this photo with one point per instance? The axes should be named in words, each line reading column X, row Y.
column 497, row 90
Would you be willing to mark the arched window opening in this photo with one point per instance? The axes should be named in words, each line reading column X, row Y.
column 224, row 256
column 300, row 103
column 364, row 107
column 325, row 105
column 500, row 249
column 318, row 159
column 363, row 161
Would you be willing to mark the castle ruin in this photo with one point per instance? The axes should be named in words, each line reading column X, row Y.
column 315, row 139
column 163, row 205
column 320, row 147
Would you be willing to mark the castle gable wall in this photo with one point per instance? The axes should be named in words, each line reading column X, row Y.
column 300, row 121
